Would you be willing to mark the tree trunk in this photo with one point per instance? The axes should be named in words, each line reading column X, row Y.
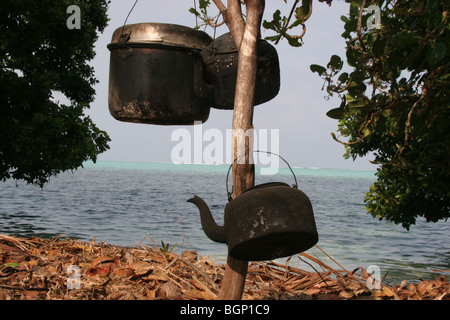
column 246, row 37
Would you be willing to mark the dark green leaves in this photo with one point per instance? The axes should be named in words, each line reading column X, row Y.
column 357, row 76
column 436, row 53
column 378, row 47
column 335, row 113
column 396, row 106
column 338, row 113
column 293, row 31
column 41, row 56
column 406, row 38
column 335, row 62
column 280, row 25
column 343, row 77
column 202, row 13
column 353, row 57
column 301, row 13
column 319, row 69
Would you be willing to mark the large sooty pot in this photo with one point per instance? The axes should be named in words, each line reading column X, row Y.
column 268, row 221
column 156, row 74
column 221, row 63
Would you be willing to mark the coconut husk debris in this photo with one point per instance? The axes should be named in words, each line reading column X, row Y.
column 68, row 269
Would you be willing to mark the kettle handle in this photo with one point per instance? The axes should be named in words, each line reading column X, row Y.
column 268, row 152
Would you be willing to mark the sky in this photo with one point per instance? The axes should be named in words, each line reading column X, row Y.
column 297, row 113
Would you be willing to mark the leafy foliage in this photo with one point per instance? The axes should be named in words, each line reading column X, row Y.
column 396, row 104
column 280, row 24
column 202, row 13
column 41, row 57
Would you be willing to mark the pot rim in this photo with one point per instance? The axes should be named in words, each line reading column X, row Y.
column 167, row 34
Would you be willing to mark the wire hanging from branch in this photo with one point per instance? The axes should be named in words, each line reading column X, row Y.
column 130, row 11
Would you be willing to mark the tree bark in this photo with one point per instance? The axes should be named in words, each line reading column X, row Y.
column 233, row 19
column 246, row 37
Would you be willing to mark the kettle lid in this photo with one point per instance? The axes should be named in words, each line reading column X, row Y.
column 268, row 185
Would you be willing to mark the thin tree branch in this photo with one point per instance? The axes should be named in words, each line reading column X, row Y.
column 214, row 25
column 289, row 18
column 297, row 37
column 284, row 33
column 232, row 16
column 358, row 30
column 347, row 143
column 407, row 127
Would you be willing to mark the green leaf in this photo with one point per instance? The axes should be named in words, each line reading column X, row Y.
column 268, row 25
column 195, row 12
column 356, row 104
column 203, row 4
column 354, row 9
column 445, row 76
column 378, row 47
column 273, row 38
column 343, row 77
column 352, row 58
column 277, row 17
column 356, row 89
column 357, row 76
column 393, row 74
column 406, row 37
column 366, row 132
column 319, row 69
column 294, row 42
column 336, row 113
column 335, row 62
column 303, row 11
column 275, row 24
column 436, row 54
column 344, row 19
column 12, row 264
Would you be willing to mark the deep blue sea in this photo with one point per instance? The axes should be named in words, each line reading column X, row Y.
column 128, row 204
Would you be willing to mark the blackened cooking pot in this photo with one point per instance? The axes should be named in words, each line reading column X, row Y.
column 221, row 64
column 156, row 74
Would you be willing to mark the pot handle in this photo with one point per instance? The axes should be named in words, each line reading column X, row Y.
column 122, row 43
column 230, row 194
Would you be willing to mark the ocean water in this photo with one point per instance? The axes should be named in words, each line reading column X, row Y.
column 129, row 204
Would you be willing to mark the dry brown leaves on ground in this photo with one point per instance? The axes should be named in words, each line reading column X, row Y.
column 68, row 269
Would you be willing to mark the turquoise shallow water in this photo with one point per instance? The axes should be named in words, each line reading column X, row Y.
column 126, row 203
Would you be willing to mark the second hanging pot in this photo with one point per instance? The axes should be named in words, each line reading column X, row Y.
column 221, row 64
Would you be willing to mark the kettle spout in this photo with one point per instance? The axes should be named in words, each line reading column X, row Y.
column 212, row 230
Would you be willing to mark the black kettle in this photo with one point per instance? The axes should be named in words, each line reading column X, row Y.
column 268, row 221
